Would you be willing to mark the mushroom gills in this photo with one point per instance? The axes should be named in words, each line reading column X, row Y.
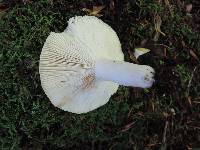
column 82, row 67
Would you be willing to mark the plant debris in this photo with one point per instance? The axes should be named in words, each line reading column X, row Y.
column 95, row 11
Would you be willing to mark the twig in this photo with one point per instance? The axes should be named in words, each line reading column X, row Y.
column 195, row 127
column 165, row 132
column 163, row 45
column 196, row 102
column 128, row 126
column 152, row 145
column 164, row 145
column 190, row 81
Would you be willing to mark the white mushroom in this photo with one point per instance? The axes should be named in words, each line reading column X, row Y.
column 83, row 66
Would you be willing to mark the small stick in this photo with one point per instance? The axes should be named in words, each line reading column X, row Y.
column 164, row 135
column 190, row 81
column 163, row 45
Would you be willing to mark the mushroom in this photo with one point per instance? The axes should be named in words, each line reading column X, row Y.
column 82, row 67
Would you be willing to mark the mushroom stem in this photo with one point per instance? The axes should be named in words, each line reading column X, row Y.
column 124, row 73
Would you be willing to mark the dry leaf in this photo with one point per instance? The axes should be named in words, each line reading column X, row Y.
column 157, row 25
column 95, row 11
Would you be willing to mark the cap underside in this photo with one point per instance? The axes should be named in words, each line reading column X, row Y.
column 67, row 66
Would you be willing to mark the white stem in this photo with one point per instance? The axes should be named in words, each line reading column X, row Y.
column 124, row 73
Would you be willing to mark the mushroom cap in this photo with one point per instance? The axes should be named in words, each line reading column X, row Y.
column 67, row 63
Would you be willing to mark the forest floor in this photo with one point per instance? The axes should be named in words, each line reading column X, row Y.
column 166, row 116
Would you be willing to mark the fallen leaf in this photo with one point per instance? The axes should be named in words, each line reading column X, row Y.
column 157, row 25
column 95, row 11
